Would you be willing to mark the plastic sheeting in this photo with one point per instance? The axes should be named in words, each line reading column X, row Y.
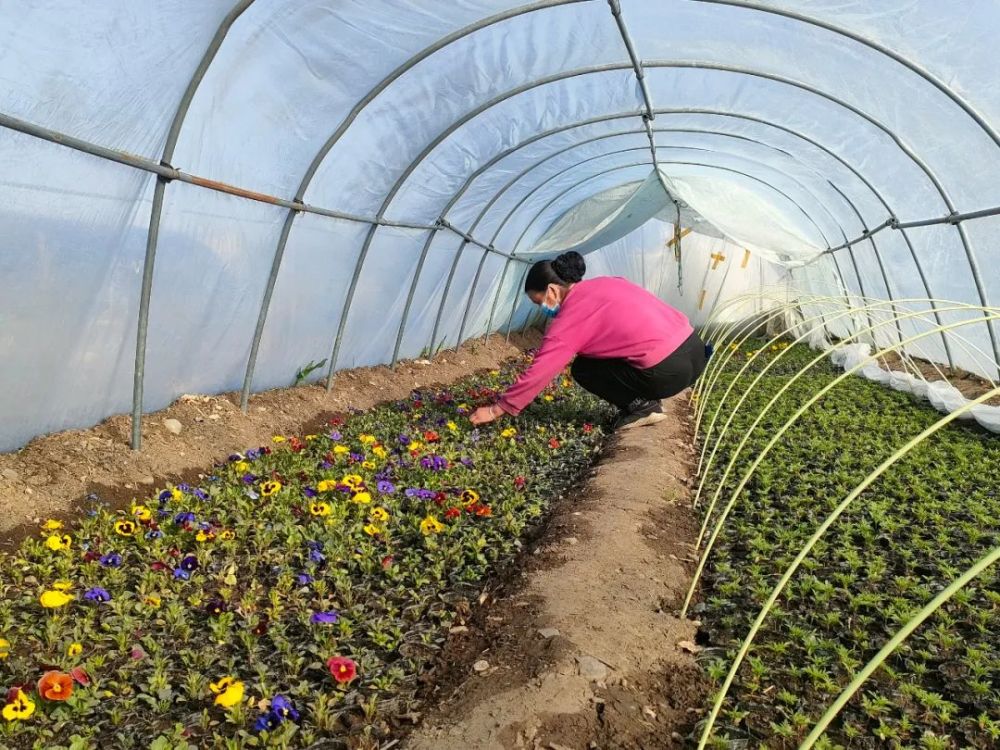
column 785, row 128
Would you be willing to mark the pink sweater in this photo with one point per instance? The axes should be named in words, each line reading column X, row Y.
column 607, row 317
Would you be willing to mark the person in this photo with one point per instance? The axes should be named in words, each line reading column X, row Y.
column 627, row 346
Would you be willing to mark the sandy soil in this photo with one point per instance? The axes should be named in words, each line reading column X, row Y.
column 587, row 652
column 52, row 475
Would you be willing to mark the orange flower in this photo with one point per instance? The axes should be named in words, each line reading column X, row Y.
column 55, row 686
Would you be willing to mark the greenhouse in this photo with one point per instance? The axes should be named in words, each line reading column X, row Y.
column 267, row 265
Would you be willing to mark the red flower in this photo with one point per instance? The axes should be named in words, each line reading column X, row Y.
column 91, row 555
column 12, row 693
column 452, row 513
column 55, row 686
column 519, row 482
column 296, row 445
column 484, row 510
column 553, row 443
column 417, row 403
column 80, row 675
column 342, row 668
column 431, row 437
column 387, row 562
column 587, row 428
column 440, row 497
column 266, row 450
column 336, row 421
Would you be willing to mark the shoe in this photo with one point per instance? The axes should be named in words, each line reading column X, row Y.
column 639, row 413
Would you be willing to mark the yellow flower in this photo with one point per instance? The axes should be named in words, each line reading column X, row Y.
column 125, row 528
column 353, row 480
column 452, row 426
column 371, row 529
column 19, row 709
column 277, row 439
column 4, row 648
column 566, row 382
column 367, row 439
column 62, row 585
column 379, row 451
column 463, row 406
column 362, row 498
column 549, row 397
column 368, row 465
column 469, row 497
column 176, row 494
column 54, row 599
column 153, row 601
column 310, row 438
column 241, row 466
column 270, row 488
column 430, row 525
column 341, row 449
column 326, row 485
column 320, row 509
column 75, row 649
column 142, row 513
column 227, row 535
column 56, row 542
column 52, row 525
column 201, row 536
column 494, row 373
column 508, row 433
column 228, row 692
column 380, row 514
column 414, row 445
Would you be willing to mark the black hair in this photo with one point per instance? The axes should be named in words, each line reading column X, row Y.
column 567, row 269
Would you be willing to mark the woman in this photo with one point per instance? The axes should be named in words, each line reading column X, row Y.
column 630, row 348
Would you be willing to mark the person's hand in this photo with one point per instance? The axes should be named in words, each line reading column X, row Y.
column 486, row 414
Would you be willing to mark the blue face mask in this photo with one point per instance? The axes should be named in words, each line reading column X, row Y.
column 549, row 312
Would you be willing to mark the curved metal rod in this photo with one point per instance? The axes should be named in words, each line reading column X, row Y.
column 873, row 45
column 794, row 566
column 153, row 233
column 503, row 275
column 990, row 558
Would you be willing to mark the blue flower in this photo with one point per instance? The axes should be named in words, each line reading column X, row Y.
column 305, row 579
column 334, row 435
column 111, row 560
column 184, row 517
column 253, row 454
column 181, row 574
column 283, row 707
column 97, row 594
column 316, row 556
column 189, row 563
column 309, row 492
column 184, row 487
column 324, row 618
column 201, row 494
column 386, row 487
column 249, row 478
column 164, row 496
column 267, row 722
column 154, row 534
column 233, row 458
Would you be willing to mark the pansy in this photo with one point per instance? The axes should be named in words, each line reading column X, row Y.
column 342, row 668
column 142, row 513
column 74, row 649
column 324, row 618
column 283, row 707
column 452, row 426
column 469, row 497
column 508, row 433
column 54, row 599
column 278, row 439
column 152, row 600
column 124, row 527
column 370, row 465
column 153, row 534
column 553, row 443
column 430, row 525
column 200, row 494
column 4, row 648
column 267, row 722
column 227, row 535
column 270, row 488
column 305, row 579
column 241, row 466
column 215, row 607
column 52, row 525
column 184, row 517
column 354, row 481
column 228, row 692
column 97, row 594
column 452, row 513
column 189, row 563
column 414, row 445
column 380, row 451
column 341, row 449
column 55, row 686
column 371, row 529
column 320, row 508
column 362, row 498
column 367, row 439
column 484, row 510
column 111, row 560
column 335, row 436
column 55, row 542
column 380, row 514
column 20, row 708
column 316, row 556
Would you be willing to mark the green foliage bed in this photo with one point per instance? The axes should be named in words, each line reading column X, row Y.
column 917, row 528
column 295, row 595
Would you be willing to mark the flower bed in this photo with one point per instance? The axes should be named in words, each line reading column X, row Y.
column 911, row 533
column 295, row 595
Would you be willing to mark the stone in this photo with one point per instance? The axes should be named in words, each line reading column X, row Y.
column 147, row 480
column 214, row 417
column 481, row 666
column 591, row 668
column 10, row 475
column 548, row 632
column 173, row 426
column 571, row 540
column 458, row 629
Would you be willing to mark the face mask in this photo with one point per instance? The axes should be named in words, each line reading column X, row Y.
column 550, row 312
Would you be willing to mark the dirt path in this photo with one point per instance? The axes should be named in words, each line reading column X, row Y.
column 585, row 654
column 52, row 475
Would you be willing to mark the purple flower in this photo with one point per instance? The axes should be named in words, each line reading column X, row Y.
column 305, row 579
column 386, row 487
column 249, row 479
column 412, row 492
column 324, row 618
column 154, row 534
column 111, row 560
column 356, row 456
column 189, row 563
column 283, row 707
column 325, row 465
column 234, row 457
column 465, row 461
column 184, row 487
column 184, row 517
column 334, row 435
column 253, row 454
column 97, row 594
column 267, row 722
column 316, row 556
column 164, row 496
column 201, row 494
column 309, row 492
column 404, row 439
column 215, row 607
column 181, row 575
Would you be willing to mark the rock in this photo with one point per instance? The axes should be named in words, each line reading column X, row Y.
column 421, row 361
column 10, row 475
column 591, row 668
column 548, row 632
column 571, row 540
column 458, row 629
column 481, row 666
column 690, row 646
column 173, row 426
column 147, row 480
column 214, row 416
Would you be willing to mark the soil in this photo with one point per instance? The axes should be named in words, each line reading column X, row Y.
column 608, row 573
column 52, row 476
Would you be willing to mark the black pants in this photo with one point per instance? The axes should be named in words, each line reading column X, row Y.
column 617, row 381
